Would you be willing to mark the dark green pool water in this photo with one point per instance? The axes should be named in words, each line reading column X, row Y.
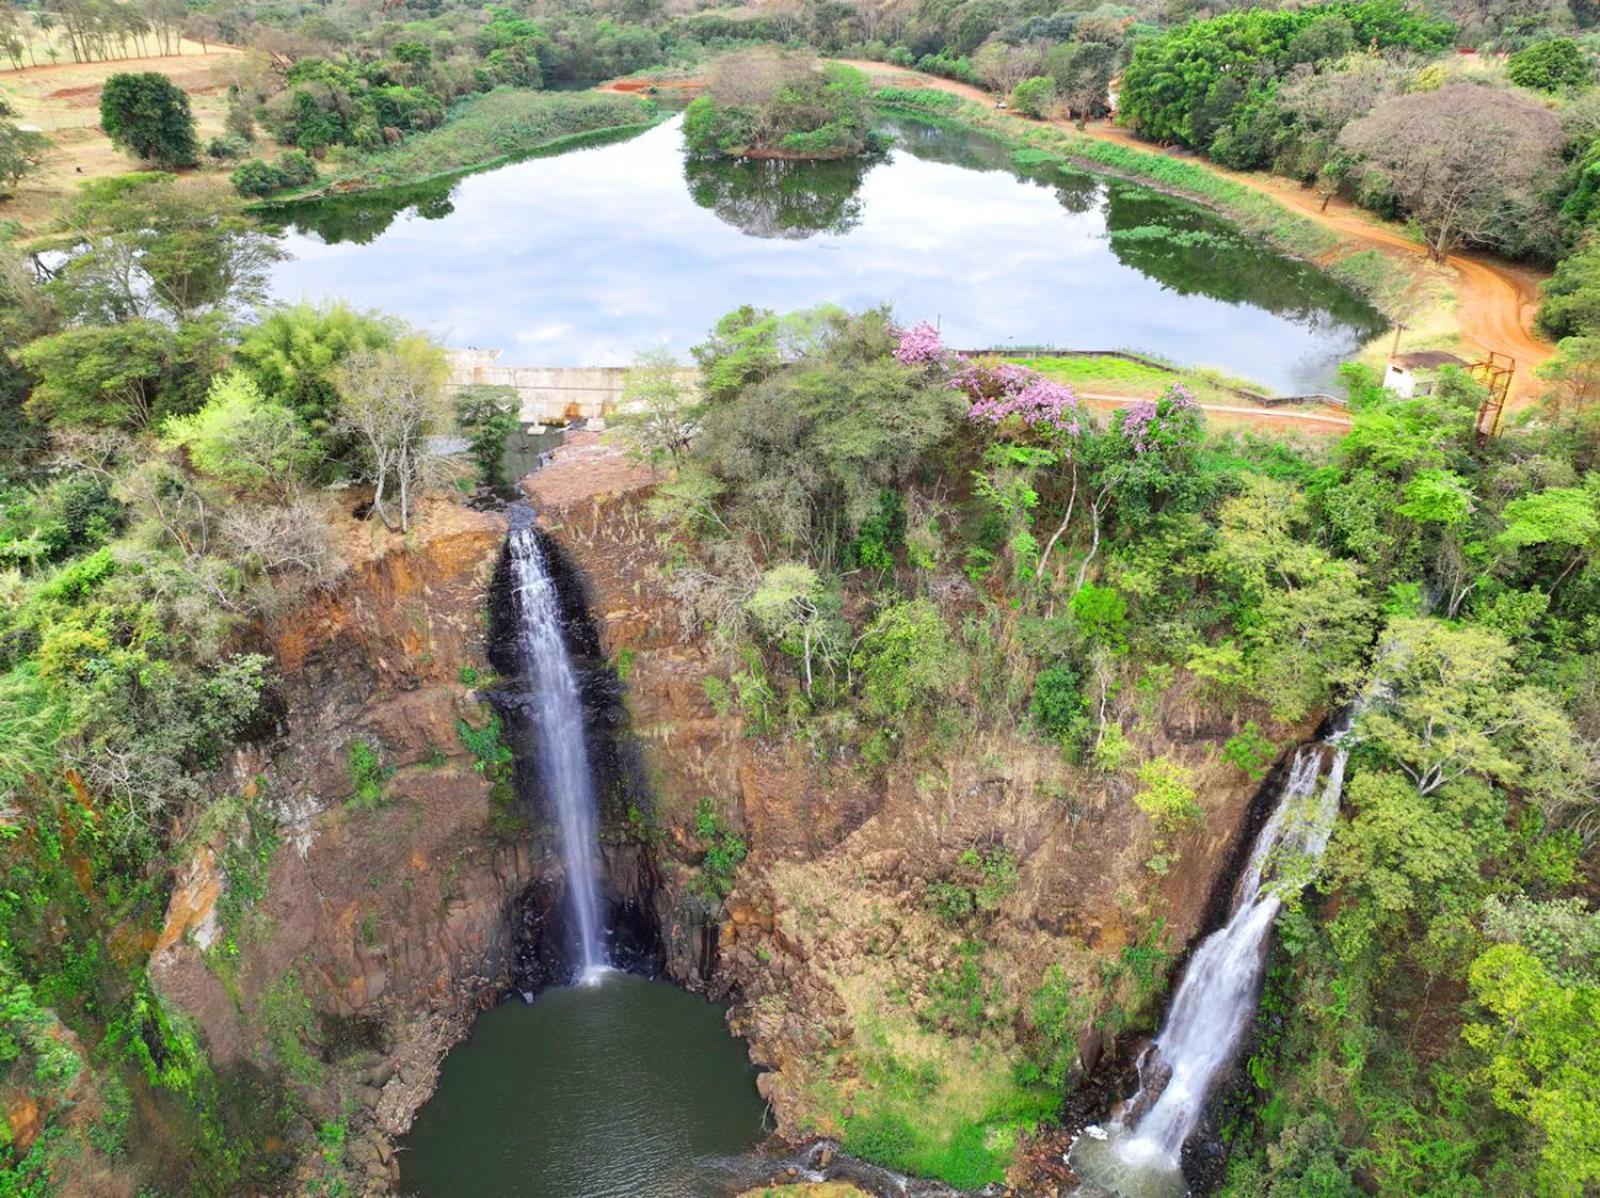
column 628, row 1088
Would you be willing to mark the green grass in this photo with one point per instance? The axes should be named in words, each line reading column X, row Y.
column 1119, row 376
column 486, row 131
column 932, row 1106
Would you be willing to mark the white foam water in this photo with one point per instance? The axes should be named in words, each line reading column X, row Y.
column 1218, row 992
column 556, row 704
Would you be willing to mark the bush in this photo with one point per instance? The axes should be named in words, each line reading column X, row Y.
column 904, row 658
column 1058, row 702
column 257, row 177
column 486, row 414
column 1035, row 97
column 368, row 775
column 724, row 851
column 1166, row 794
column 297, row 167
column 227, row 149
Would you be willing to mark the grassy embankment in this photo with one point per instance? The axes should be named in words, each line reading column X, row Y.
column 1385, row 283
column 486, row 131
column 1119, row 376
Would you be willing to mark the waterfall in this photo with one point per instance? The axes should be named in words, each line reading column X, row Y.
column 556, row 708
column 1217, row 995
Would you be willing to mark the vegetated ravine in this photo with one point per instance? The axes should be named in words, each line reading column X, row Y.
column 607, row 1082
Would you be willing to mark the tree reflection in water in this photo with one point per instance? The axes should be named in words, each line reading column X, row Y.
column 772, row 198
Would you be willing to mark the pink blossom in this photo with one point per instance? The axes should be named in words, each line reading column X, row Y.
column 1144, row 423
column 1035, row 401
column 919, row 346
column 1139, row 425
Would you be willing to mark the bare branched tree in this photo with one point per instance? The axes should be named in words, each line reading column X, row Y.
column 1469, row 163
column 394, row 402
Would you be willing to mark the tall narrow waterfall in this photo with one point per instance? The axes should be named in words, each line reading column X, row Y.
column 1218, row 993
column 556, row 707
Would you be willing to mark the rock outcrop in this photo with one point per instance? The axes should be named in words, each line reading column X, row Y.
column 384, row 922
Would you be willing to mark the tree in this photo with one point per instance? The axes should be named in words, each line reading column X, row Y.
column 1035, row 97
column 1002, row 66
column 1447, row 708
column 659, row 417
column 392, row 400
column 199, row 27
column 904, row 658
column 800, row 613
column 1082, row 71
column 294, row 354
column 242, row 438
column 765, row 103
column 1541, row 1043
column 1205, row 78
column 1571, row 306
column 488, row 414
column 147, row 115
column 1574, row 371
column 825, row 420
column 152, row 248
column 101, row 376
column 1469, row 163
column 1550, row 66
column 22, row 153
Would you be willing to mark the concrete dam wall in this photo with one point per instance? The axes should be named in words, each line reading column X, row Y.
column 550, row 394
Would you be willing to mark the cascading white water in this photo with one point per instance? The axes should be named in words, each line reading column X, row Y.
column 1217, row 995
column 563, row 753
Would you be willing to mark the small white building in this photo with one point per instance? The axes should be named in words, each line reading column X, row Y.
column 1415, row 373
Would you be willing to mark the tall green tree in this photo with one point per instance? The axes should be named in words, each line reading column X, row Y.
column 147, row 115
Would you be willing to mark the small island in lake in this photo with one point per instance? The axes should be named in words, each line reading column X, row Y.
column 771, row 104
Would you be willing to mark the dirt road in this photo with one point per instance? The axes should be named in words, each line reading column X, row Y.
column 1495, row 301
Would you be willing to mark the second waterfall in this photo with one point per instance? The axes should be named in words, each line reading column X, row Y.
column 554, row 704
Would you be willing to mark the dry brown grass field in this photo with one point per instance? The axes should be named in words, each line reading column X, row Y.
column 62, row 100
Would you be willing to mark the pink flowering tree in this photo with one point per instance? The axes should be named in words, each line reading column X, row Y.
column 921, row 346
column 1171, row 423
column 1036, row 424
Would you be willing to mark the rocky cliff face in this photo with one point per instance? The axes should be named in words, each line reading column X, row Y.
column 830, row 913
column 404, row 889
column 383, row 918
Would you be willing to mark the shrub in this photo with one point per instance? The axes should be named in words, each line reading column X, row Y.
column 1058, row 702
column 724, row 851
column 486, row 414
column 1102, row 615
column 256, row 177
column 1250, row 750
column 298, row 167
column 950, row 901
column 1034, row 97
column 1166, row 794
column 904, row 658
column 227, row 148
column 367, row 776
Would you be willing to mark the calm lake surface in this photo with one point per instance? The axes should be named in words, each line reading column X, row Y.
column 587, row 257
column 624, row 1089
